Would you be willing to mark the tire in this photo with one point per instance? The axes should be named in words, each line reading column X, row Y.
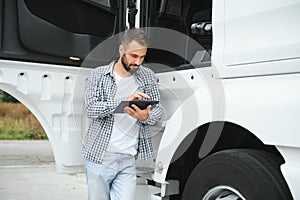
column 237, row 174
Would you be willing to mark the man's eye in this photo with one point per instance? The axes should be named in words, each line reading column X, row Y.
column 134, row 56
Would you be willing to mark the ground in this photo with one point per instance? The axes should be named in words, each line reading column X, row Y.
column 27, row 171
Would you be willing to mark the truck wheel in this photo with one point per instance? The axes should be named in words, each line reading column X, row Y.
column 237, row 174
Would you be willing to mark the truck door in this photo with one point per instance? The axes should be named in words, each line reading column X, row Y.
column 42, row 48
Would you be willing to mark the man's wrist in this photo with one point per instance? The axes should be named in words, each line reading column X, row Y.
column 144, row 118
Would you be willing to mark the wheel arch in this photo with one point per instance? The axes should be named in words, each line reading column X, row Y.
column 232, row 136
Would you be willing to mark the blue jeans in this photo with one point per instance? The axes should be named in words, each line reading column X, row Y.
column 113, row 179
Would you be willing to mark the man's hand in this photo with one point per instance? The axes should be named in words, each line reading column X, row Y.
column 137, row 113
column 138, row 96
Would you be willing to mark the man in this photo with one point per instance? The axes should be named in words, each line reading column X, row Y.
column 113, row 140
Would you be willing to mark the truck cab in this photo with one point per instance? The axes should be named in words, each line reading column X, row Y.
column 228, row 73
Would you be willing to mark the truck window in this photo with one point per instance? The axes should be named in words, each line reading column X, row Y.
column 190, row 18
column 57, row 32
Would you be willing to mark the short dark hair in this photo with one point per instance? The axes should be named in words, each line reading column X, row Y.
column 135, row 34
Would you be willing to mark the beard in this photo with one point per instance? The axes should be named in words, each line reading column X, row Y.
column 127, row 67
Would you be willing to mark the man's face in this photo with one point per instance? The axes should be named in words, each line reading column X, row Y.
column 132, row 56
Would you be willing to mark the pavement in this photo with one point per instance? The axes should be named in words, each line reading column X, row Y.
column 27, row 171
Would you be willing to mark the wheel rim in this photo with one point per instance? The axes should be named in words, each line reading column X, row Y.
column 223, row 193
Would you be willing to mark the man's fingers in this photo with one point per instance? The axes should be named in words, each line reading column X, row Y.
column 148, row 108
column 128, row 110
column 144, row 95
column 137, row 96
column 137, row 109
column 137, row 113
column 141, row 95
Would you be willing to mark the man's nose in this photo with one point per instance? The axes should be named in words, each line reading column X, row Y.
column 138, row 61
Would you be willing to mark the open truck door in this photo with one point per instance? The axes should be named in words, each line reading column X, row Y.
column 42, row 49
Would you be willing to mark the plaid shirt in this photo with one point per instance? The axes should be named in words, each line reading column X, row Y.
column 100, row 103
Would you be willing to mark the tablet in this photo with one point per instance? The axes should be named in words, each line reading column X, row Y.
column 141, row 104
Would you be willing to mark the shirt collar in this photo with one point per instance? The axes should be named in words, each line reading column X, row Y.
column 110, row 69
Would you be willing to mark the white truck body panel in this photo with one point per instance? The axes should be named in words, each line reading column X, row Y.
column 252, row 40
column 56, row 101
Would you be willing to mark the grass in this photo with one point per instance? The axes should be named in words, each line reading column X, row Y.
column 18, row 123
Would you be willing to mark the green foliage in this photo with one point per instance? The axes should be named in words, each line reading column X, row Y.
column 15, row 134
column 4, row 97
column 13, row 130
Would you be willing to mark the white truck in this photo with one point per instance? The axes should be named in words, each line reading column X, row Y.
column 229, row 77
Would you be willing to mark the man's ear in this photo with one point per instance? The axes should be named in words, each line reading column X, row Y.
column 121, row 49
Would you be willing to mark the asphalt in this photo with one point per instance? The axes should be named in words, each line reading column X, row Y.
column 27, row 171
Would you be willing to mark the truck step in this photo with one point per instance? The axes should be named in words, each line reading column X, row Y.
column 158, row 197
column 171, row 187
column 144, row 191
